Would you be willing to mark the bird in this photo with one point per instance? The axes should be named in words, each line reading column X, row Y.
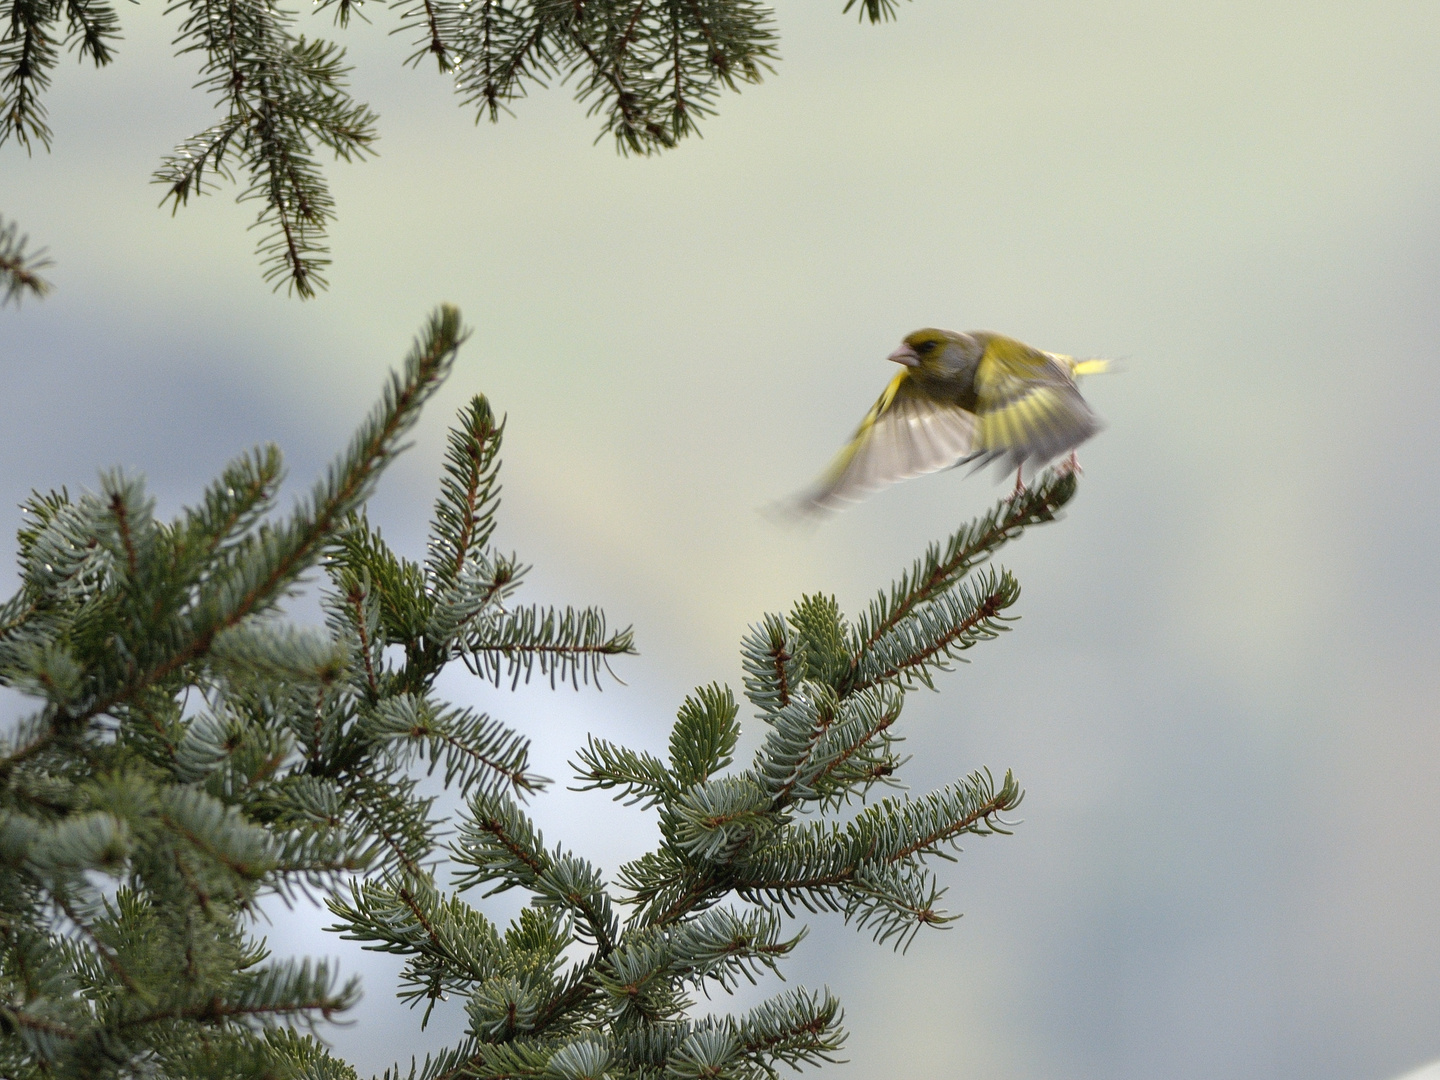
column 961, row 398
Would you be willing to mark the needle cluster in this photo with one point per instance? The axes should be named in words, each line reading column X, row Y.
column 19, row 269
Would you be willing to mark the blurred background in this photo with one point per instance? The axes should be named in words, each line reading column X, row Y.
column 1221, row 696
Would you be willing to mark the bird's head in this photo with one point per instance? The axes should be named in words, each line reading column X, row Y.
column 938, row 352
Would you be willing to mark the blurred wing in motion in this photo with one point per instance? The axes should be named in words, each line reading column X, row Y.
column 904, row 434
column 1028, row 406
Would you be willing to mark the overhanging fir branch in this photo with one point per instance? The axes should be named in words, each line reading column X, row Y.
column 440, row 24
column 876, row 11
column 282, row 95
column 94, row 26
column 19, row 270
column 652, row 70
column 28, row 51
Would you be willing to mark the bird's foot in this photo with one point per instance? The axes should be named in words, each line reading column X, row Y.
column 1019, row 484
column 1071, row 466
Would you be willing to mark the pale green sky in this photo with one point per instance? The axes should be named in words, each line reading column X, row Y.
column 1221, row 698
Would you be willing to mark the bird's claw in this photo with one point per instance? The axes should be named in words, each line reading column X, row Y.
column 1019, row 485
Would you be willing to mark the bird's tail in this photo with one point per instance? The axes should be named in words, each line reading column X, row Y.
column 1091, row 365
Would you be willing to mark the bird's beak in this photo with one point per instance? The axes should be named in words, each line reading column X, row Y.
column 905, row 355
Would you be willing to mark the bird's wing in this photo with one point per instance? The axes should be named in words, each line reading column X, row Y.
column 1028, row 406
column 904, row 434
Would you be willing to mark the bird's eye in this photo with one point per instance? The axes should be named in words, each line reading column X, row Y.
column 925, row 347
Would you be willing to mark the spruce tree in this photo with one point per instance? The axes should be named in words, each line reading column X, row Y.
column 651, row 70
column 188, row 753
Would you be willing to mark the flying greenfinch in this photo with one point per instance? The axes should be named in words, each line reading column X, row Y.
column 961, row 398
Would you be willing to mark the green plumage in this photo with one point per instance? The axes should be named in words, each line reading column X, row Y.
column 978, row 397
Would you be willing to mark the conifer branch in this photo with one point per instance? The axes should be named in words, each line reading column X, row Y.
column 355, row 597
column 471, row 746
column 940, row 570
column 41, row 735
column 823, row 867
column 651, row 69
column 440, row 22
column 450, row 945
column 702, row 742
column 503, row 52
column 799, row 1028
column 469, row 491
column 569, row 645
column 875, row 10
column 641, row 778
column 499, row 843
column 929, row 636
column 259, row 579
column 19, row 272
column 28, row 1021
column 93, row 26
column 400, row 829
column 28, row 53
column 300, row 766
column 767, row 654
column 827, row 749
column 233, row 504
column 281, row 94
column 96, row 945
column 279, row 990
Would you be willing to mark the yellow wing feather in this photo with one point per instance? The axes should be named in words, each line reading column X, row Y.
column 1028, row 405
